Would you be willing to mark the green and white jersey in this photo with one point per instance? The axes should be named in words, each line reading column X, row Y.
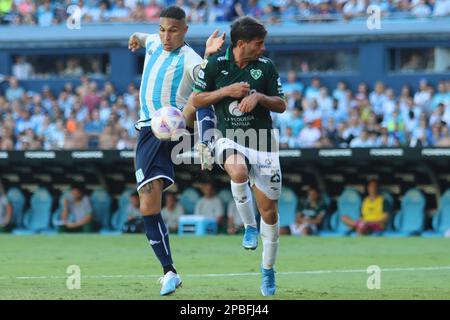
column 220, row 70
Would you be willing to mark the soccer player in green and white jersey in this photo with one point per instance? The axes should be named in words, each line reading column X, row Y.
column 244, row 88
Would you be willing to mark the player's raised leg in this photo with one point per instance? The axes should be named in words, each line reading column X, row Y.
column 206, row 122
column 150, row 206
column 269, row 230
column 237, row 169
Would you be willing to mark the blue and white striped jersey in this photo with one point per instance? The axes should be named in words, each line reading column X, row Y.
column 167, row 78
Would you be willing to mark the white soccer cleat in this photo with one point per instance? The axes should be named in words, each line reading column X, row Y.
column 206, row 157
column 170, row 282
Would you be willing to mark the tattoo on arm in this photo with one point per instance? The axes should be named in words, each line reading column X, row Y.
column 147, row 188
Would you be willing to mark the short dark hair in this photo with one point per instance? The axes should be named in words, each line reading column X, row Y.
column 173, row 12
column 246, row 29
column 78, row 186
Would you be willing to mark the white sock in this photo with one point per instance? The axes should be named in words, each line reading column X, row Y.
column 244, row 202
column 269, row 237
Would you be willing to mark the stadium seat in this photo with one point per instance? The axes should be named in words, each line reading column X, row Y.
column 197, row 225
column 120, row 216
column 37, row 218
column 56, row 216
column 389, row 200
column 441, row 219
column 101, row 206
column 225, row 196
column 287, row 207
column 349, row 204
column 17, row 201
column 188, row 199
column 410, row 219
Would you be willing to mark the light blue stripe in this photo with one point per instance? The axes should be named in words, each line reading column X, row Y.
column 147, row 70
column 148, row 46
column 157, row 92
column 176, row 81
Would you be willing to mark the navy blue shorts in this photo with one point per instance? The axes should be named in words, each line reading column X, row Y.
column 153, row 159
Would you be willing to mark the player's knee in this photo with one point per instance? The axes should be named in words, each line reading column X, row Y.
column 269, row 215
column 238, row 173
column 147, row 208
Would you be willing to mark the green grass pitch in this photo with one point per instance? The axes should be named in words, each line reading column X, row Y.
column 217, row 267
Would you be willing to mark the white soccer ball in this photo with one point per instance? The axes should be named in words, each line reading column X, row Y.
column 168, row 123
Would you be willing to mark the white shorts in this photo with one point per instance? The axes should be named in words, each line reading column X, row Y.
column 265, row 171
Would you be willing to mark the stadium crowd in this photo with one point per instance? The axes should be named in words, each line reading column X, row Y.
column 47, row 12
column 89, row 117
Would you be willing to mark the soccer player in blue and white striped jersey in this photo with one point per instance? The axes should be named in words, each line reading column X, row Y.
column 170, row 69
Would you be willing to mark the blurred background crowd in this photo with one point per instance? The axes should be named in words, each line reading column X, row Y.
column 48, row 12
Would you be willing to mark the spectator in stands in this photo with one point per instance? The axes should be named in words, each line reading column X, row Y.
column 437, row 115
column 362, row 141
column 309, row 136
column 55, row 136
column 313, row 91
column 138, row 13
column 442, row 95
column 373, row 214
column 119, row 12
column 292, row 83
column 422, row 98
column 73, row 68
column 254, row 10
column 324, row 101
column 339, row 92
column 6, row 139
column 377, row 98
column 22, row 69
column 94, row 128
column 171, row 212
column 210, row 205
column 134, row 223
column 289, row 140
column 92, row 99
column 108, row 139
column 312, row 112
column 6, row 214
column 353, row 8
column 310, row 215
column 421, row 9
column 77, row 140
column 441, row 8
column 152, row 11
column 444, row 140
column 234, row 221
column 45, row 16
column 125, row 142
column 14, row 91
column 77, row 211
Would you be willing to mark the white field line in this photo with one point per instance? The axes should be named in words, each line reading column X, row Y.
column 118, row 276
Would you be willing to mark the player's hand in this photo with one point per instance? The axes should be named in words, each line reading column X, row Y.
column 133, row 43
column 214, row 43
column 249, row 103
column 237, row 90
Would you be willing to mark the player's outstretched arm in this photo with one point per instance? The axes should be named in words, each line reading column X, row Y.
column 137, row 41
